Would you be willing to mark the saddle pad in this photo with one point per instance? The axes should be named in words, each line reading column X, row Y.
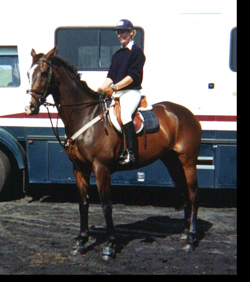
column 151, row 122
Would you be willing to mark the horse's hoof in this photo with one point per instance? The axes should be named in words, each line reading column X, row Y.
column 183, row 236
column 80, row 250
column 108, row 253
column 188, row 248
column 106, row 258
column 76, row 246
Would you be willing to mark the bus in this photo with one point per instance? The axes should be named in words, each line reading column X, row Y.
column 191, row 59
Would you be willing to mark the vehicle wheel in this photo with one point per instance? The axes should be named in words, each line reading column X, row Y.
column 5, row 169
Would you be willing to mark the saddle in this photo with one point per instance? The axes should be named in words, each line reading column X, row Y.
column 143, row 118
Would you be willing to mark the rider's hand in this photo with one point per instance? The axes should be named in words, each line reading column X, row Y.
column 100, row 91
column 109, row 92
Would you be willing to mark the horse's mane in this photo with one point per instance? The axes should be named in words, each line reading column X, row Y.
column 73, row 72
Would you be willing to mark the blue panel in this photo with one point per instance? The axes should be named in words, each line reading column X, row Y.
column 231, row 135
column 216, row 165
column 226, row 166
column 9, row 141
column 208, row 134
column 43, row 131
column 60, row 167
column 37, row 159
column 205, row 178
column 155, row 174
column 205, row 171
column 17, row 132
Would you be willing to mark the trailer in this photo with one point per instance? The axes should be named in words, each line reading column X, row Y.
column 191, row 59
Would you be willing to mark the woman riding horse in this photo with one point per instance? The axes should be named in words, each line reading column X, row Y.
column 125, row 78
column 176, row 143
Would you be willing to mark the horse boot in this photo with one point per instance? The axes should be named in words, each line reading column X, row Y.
column 130, row 154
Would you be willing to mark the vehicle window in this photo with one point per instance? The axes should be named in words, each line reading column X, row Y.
column 233, row 50
column 9, row 67
column 90, row 48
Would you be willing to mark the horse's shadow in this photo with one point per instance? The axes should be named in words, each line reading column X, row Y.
column 146, row 230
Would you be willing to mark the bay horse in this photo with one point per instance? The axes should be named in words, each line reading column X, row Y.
column 176, row 143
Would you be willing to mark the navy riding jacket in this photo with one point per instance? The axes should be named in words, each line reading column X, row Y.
column 128, row 62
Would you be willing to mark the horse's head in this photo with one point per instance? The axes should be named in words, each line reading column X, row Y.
column 39, row 75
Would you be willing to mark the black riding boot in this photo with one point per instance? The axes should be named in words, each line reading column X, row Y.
column 130, row 154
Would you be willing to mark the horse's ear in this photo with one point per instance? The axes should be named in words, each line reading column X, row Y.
column 51, row 53
column 33, row 52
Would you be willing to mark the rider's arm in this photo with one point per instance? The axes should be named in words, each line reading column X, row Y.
column 123, row 83
column 108, row 81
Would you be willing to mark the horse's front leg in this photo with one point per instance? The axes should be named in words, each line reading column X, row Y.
column 103, row 180
column 82, row 182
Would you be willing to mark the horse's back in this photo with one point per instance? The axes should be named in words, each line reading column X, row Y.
column 184, row 123
column 182, row 114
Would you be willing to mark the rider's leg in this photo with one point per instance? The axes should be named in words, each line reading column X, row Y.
column 129, row 101
column 130, row 154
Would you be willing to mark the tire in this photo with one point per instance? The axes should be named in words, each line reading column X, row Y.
column 5, row 170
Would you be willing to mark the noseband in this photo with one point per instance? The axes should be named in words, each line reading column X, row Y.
column 43, row 93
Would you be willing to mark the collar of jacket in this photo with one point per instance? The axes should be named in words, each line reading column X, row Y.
column 129, row 46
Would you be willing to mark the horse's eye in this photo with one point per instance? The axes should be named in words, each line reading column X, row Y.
column 44, row 74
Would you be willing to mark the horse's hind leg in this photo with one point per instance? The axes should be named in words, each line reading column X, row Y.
column 176, row 171
column 185, row 180
column 191, row 209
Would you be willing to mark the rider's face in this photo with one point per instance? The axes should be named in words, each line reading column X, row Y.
column 125, row 36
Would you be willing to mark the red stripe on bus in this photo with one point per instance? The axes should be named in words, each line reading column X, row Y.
column 54, row 115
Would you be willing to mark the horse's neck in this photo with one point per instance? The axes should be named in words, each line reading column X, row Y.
column 70, row 93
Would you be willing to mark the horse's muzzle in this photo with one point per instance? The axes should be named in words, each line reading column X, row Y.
column 31, row 110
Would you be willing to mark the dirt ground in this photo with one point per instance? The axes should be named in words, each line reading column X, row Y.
column 37, row 235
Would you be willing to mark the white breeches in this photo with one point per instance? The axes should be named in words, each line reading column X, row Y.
column 129, row 101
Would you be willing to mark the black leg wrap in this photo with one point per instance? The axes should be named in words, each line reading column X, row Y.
column 84, row 244
column 109, row 250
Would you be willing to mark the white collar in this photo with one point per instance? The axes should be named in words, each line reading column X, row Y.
column 130, row 45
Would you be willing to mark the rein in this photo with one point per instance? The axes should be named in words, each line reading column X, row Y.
column 42, row 101
column 81, row 130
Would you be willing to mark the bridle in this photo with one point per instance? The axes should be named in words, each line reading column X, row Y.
column 41, row 100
